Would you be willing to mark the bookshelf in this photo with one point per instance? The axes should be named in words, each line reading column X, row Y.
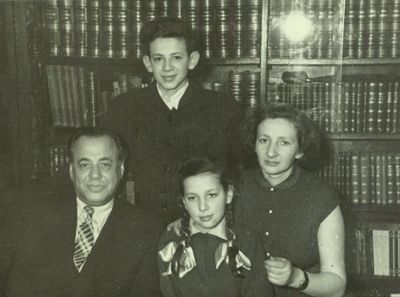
column 354, row 49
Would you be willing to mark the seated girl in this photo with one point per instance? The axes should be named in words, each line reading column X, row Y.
column 212, row 256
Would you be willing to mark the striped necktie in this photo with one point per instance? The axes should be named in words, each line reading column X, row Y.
column 85, row 239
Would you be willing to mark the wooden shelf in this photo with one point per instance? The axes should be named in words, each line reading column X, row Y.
column 345, row 61
column 129, row 62
column 374, row 208
column 365, row 136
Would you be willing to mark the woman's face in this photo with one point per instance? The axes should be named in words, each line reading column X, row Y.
column 277, row 148
column 205, row 200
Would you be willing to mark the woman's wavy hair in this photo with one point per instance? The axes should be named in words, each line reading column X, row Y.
column 313, row 141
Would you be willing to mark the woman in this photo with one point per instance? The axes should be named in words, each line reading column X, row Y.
column 210, row 256
column 298, row 217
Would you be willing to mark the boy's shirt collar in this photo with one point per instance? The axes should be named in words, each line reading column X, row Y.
column 172, row 101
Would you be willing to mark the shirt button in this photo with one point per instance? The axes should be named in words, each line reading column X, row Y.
column 272, row 189
column 268, row 255
column 270, row 211
column 267, row 233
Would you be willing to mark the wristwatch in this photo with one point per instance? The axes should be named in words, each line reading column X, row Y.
column 304, row 284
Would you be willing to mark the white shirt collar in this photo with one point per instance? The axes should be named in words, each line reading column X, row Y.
column 172, row 101
column 219, row 230
column 100, row 215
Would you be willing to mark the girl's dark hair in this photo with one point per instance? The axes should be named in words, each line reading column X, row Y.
column 195, row 166
column 313, row 142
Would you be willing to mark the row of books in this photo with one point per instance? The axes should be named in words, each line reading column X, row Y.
column 111, row 28
column 347, row 107
column 370, row 29
column 366, row 177
column 375, row 250
column 58, row 158
column 78, row 98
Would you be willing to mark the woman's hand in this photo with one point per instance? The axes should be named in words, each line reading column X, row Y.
column 280, row 271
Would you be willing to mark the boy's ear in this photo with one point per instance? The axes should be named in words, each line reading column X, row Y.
column 194, row 59
column 147, row 64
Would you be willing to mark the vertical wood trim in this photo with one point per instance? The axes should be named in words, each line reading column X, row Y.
column 23, row 102
column 264, row 49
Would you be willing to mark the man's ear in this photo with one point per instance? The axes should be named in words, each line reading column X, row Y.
column 71, row 171
column 229, row 194
column 147, row 63
column 122, row 169
column 194, row 59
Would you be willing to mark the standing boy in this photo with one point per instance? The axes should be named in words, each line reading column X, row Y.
column 172, row 119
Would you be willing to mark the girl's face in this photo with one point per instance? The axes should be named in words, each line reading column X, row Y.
column 277, row 148
column 205, row 200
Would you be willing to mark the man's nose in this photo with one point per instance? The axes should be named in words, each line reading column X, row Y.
column 95, row 172
column 167, row 64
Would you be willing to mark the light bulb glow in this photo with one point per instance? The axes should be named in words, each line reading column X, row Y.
column 296, row 26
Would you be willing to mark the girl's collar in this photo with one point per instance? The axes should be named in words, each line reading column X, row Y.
column 219, row 230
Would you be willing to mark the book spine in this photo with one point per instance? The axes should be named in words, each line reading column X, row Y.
column 374, row 176
column 121, row 31
column 396, row 108
column 347, row 108
column 192, row 14
column 349, row 30
column 235, row 82
column 364, row 179
column 397, row 175
column 67, row 27
column 94, row 28
column 224, row 41
column 175, row 8
column 52, row 84
column 75, row 96
column 390, row 179
column 253, row 28
column 361, row 30
column 108, row 28
column 394, row 29
column 355, row 179
column 238, row 28
column 380, row 117
column 52, row 27
column 383, row 29
column 150, row 9
column 371, row 101
column 371, row 28
column 206, row 29
column 137, row 13
column 389, row 108
column 81, row 28
column 92, row 98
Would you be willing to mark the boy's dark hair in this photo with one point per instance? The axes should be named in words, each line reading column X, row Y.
column 313, row 142
column 96, row 132
column 168, row 27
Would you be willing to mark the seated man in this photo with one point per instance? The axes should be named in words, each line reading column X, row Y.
column 86, row 242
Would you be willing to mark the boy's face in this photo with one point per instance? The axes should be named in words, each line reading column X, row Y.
column 169, row 61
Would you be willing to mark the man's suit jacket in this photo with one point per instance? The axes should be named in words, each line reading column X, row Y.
column 38, row 245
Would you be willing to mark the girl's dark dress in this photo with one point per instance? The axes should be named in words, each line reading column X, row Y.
column 205, row 280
